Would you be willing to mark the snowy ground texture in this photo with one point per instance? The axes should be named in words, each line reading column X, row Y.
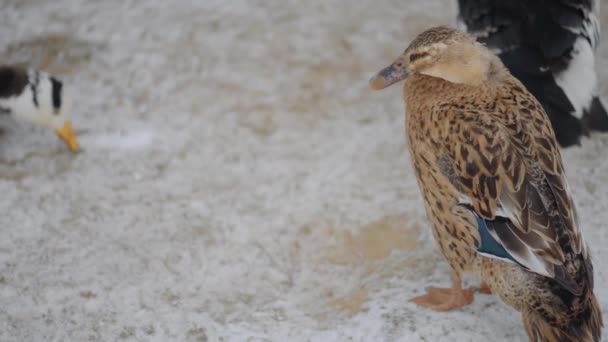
column 239, row 182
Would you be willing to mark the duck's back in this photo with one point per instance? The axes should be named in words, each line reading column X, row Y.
column 12, row 81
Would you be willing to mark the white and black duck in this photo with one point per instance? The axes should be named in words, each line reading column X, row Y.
column 38, row 98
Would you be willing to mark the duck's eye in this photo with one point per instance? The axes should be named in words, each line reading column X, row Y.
column 399, row 64
column 416, row 56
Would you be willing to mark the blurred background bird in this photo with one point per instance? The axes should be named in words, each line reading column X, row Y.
column 549, row 46
column 36, row 97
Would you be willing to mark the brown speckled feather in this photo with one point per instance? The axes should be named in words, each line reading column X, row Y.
column 507, row 164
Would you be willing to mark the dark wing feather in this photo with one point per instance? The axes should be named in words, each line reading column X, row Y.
column 549, row 28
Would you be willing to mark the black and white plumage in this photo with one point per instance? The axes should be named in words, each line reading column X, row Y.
column 36, row 97
column 549, row 46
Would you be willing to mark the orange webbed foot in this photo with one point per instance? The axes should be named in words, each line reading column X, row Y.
column 444, row 299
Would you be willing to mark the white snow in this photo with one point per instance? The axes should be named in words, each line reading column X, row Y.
column 238, row 180
column 133, row 138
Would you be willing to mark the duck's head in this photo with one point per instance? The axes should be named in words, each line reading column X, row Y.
column 440, row 52
column 38, row 98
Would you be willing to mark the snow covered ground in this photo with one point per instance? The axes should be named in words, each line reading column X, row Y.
column 239, row 182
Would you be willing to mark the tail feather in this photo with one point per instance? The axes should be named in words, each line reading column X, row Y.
column 586, row 327
column 596, row 118
column 568, row 129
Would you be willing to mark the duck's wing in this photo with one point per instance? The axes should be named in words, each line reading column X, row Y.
column 498, row 24
column 578, row 17
column 507, row 167
column 12, row 81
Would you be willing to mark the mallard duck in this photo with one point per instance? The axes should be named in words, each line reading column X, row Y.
column 549, row 46
column 490, row 172
column 36, row 97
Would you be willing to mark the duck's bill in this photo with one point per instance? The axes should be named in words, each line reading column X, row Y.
column 389, row 75
column 66, row 133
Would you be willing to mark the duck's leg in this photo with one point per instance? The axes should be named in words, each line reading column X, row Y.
column 484, row 288
column 446, row 299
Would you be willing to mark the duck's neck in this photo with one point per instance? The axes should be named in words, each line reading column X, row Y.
column 422, row 92
column 479, row 67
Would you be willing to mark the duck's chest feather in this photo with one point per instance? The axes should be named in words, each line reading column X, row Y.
column 430, row 108
column 454, row 231
column 428, row 123
column 431, row 105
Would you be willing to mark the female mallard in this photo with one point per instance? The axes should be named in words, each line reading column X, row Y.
column 490, row 171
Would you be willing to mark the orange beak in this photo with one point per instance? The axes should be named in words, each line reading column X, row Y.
column 66, row 133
